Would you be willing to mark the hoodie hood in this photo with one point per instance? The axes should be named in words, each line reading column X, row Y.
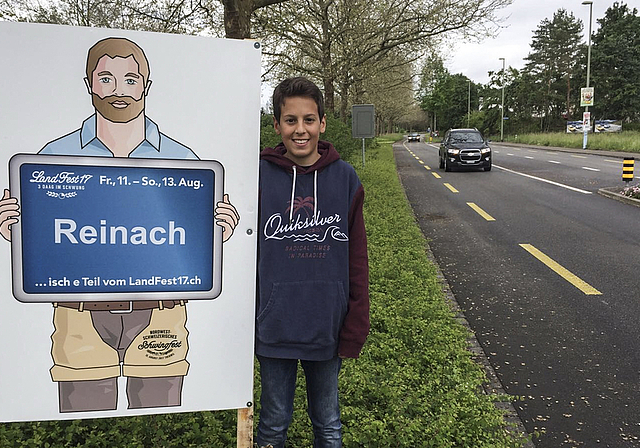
column 328, row 155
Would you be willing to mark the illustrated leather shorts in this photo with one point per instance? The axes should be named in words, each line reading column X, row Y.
column 94, row 345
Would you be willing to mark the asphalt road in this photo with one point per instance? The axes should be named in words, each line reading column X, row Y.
column 547, row 273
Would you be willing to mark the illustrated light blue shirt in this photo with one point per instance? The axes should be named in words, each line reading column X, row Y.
column 84, row 142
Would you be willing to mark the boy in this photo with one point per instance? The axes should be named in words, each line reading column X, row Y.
column 313, row 275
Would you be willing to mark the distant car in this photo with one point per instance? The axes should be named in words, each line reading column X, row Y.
column 464, row 148
column 413, row 137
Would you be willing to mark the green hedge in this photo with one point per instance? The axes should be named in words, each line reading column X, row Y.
column 415, row 384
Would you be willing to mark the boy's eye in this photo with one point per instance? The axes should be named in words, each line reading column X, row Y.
column 310, row 120
column 290, row 120
column 105, row 80
column 131, row 82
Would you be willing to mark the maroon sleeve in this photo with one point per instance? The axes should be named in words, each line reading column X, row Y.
column 355, row 328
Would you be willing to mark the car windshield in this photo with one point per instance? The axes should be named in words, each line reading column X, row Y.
column 470, row 137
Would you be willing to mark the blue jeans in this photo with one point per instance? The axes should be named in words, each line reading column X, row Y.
column 278, row 380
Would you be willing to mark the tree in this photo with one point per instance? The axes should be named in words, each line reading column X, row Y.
column 615, row 63
column 447, row 97
column 335, row 41
column 168, row 16
column 186, row 17
column 553, row 64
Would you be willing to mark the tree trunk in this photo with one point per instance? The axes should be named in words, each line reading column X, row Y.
column 344, row 99
column 237, row 18
column 327, row 66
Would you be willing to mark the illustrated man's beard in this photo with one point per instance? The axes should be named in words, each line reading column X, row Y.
column 114, row 114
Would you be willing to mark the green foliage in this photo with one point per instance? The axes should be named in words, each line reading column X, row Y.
column 200, row 429
column 337, row 132
column 447, row 97
column 415, row 384
column 615, row 63
column 553, row 65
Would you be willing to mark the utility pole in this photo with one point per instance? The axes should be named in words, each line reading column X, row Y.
column 502, row 114
column 585, row 129
column 469, row 103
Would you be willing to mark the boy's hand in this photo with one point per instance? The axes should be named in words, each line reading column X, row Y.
column 9, row 212
column 226, row 217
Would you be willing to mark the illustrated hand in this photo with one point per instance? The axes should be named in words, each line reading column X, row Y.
column 226, row 217
column 9, row 212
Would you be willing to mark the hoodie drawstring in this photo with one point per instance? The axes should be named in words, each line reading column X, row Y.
column 315, row 194
column 293, row 194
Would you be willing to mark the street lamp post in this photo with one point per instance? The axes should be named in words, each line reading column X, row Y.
column 502, row 110
column 469, row 103
column 586, row 108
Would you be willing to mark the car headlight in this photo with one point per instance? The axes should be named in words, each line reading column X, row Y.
column 485, row 150
column 453, row 151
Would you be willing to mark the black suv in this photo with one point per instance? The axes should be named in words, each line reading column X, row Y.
column 464, row 147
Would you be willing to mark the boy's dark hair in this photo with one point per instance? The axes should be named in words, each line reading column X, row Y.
column 299, row 86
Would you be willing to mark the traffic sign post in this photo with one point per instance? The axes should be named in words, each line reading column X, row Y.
column 363, row 123
column 586, row 124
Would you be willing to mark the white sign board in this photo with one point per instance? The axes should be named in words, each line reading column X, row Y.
column 71, row 350
column 586, row 120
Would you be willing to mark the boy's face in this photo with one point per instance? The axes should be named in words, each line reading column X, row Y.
column 300, row 128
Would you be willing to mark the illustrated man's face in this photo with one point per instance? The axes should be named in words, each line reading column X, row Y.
column 118, row 89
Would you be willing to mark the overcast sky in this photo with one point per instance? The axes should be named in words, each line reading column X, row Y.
column 514, row 40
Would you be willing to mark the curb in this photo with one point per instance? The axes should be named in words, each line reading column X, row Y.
column 611, row 192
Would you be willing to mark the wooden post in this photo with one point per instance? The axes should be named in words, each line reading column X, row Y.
column 245, row 427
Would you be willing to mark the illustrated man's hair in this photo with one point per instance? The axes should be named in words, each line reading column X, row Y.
column 299, row 86
column 117, row 47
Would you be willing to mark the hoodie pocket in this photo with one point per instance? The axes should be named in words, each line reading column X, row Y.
column 309, row 312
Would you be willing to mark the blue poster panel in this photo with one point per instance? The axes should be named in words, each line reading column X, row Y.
column 118, row 229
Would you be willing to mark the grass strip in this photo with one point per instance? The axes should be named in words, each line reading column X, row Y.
column 628, row 141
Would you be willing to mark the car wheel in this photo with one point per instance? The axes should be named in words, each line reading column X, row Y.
column 487, row 167
column 447, row 164
column 441, row 162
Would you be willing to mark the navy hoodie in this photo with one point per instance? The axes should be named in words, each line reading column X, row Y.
column 313, row 273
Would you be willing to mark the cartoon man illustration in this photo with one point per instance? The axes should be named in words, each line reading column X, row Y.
column 95, row 342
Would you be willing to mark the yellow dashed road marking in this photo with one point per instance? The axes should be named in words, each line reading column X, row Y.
column 562, row 272
column 481, row 212
column 436, row 175
column 450, row 187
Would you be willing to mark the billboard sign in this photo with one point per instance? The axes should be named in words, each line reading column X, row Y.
column 129, row 203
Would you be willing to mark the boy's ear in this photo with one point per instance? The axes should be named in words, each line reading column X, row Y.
column 323, row 123
column 276, row 125
column 86, row 83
